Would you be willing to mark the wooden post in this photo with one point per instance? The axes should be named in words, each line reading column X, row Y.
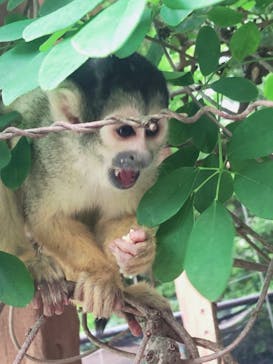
column 58, row 338
column 197, row 313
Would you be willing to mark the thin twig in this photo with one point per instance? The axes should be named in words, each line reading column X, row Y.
column 101, row 344
column 251, row 232
column 30, row 337
column 163, row 43
column 144, row 343
column 144, row 121
column 257, row 267
column 39, row 360
column 253, row 245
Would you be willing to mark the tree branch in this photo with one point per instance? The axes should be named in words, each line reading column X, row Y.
column 145, row 121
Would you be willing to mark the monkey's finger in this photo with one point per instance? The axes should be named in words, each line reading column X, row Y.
column 133, row 325
column 137, row 235
column 124, row 246
column 37, row 301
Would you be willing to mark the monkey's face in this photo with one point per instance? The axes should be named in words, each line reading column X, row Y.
column 131, row 152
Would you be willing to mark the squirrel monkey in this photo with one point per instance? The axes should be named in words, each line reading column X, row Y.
column 80, row 198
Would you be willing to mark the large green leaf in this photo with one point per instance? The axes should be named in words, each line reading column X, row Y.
column 19, row 70
column 5, row 154
column 186, row 156
column 224, row 16
column 110, row 29
column 253, row 186
column 253, row 137
column 14, row 174
column 207, row 50
column 48, row 6
column 173, row 17
column 12, row 117
column 179, row 78
column 189, row 4
column 16, row 283
column 13, row 31
column 166, row 197
column 245, row 41
column 203, row 133
column 268, row 86
column 172, row 237
column 236, row 88
column 207, row 193
column 209, row 254
column 59, row 19
column 59, row 63
column 135, row 39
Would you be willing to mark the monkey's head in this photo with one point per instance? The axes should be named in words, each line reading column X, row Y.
column 120, row 88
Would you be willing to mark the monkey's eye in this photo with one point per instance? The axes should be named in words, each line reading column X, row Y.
column 152, row 130
column 125, row 131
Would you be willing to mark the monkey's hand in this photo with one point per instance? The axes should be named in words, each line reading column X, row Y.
column 99, row 292
column 51, row 287
column 134, row 252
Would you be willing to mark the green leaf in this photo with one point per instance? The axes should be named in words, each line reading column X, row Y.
column 12, row 4
column 224, row 17
column 189, row 4
column 245, row 41
column 154, row 53
column 173, row 17
column 59, row 63
column 186, row 156
column 203, row 133
column 14, row 174
column 110, row 29
column 268, row 86
column 16, row 283
column 48, row 6
column 59, row 19
column 135, row 39
column 208, row 260
column 207, row 50
column 254, row 188
column 179, row 78
column 236, row 88
column 253, row 137
column 19, row 70
column 191, row 23
column 13, row 31
column 12, row 117
column 207, row 193
column 5, row 154
column 165, row 198
column 172, row 237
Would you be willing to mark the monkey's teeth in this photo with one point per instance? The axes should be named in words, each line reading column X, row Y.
column 117, row 172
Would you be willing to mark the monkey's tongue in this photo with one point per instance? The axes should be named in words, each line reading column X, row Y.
column 127, row 177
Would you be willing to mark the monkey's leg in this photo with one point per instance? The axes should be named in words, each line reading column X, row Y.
column 132, row 247
column 98, row 283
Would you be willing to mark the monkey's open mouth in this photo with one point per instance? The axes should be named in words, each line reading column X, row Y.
column 123, row 178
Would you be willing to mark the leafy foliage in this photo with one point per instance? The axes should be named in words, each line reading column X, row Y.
column 213, row 53
column 16, row 284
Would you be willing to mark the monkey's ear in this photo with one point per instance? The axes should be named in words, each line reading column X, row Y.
column 65, row 104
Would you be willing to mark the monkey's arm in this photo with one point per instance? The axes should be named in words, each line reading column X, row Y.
column 98, row 284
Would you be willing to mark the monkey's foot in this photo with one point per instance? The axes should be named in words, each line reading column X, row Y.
column 100, row 293
column 134, row 252
column 51, row 287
